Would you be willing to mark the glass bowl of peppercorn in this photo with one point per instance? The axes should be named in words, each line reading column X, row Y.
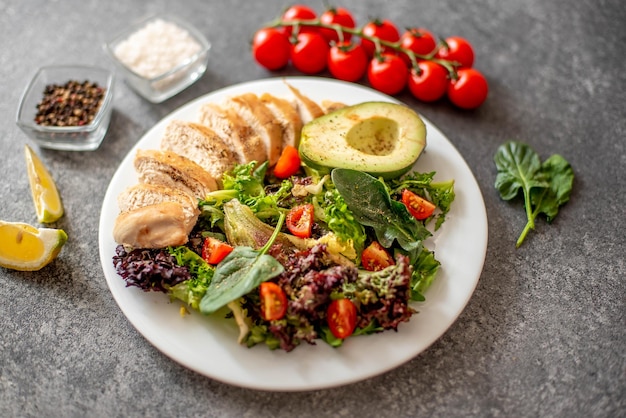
column 67, row 107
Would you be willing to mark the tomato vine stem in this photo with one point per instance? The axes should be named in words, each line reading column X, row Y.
column 379, row 44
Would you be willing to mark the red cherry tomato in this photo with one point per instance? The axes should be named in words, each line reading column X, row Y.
column 310, row 53
column 336, row 16
column 430, row 83
column 288, row 164
column 299, row 12
column 419, row 207
column 382, row 29
column 273, row 301
column 469, row 90
column 214, row 250
column 388, row 73
column 300, row 220
column 418, row 40
column 457, row 49
column 341, row 317
column 347, row 61
column 375, row 257
column 271, row 48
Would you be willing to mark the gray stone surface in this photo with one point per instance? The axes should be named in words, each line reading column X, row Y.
column 543, row 335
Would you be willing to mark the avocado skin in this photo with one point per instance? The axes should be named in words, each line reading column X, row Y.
column 346, row 137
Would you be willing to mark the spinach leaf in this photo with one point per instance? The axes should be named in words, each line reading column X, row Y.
column 545, row 186
column 370, row 203
column 240, row 272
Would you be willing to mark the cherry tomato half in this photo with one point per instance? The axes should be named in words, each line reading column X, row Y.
column 469, row 90
column 347, row 61
column 299, row 12
column 430, row 83
column 300, row 220
column 341, row 317
column 309, row 53
column 457, row 49
column 419, row 207
column 387, row 73
column 214, row 250
column 271, row 48
column 418, row 40
column 375, row 257
column 337, row 16
column 384, row 30
column 273, row 301
column 288, row 164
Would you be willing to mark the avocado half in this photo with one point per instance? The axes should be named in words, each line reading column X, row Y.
column 380, row 138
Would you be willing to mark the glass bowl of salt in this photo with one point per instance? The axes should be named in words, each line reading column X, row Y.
column 160, row 56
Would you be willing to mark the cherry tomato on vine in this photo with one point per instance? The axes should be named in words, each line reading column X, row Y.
column 418, row 40
column 271, row 48
column 309, row 53
column 347, row 61
column 457, row 49
column 300, row 220
column 430, row 83
column 469, row 90
column 299, row 12
column 273, row 301
column 214, row 250
column 417, row 206
column 341, row 317
column 382, row 29
column 387, row 73
column 375, row 257
column 337, row 16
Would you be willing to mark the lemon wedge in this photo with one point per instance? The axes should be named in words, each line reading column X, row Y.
column 24, row 247
column 45, row 194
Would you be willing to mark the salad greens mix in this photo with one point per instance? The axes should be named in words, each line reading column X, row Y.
column 356, row 271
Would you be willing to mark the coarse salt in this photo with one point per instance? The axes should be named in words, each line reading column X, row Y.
column 156, row 48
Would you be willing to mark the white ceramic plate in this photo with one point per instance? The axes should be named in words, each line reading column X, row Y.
column 209, row 346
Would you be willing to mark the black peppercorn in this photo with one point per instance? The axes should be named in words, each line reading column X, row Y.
column 71, row 104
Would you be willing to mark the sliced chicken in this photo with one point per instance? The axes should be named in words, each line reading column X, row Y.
column 169, row 169
column 287, row 116
column 201, row 145
column 154, row 226
column 227, row 123
column 306, row 107
column 250, row 108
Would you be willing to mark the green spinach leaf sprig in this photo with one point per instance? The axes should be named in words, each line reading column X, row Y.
column 546, row 186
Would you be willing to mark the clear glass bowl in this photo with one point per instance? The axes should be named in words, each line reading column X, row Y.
column 181, row 75
column 87, row 137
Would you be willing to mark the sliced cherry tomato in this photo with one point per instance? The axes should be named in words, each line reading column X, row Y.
column 214, row 250
column 300, row 220
column 430, row 83
column 309, row 53
column 347, row 61
column 273, row 301
column 387, row 73
column 384, row 30
column 469, row 90
column 299, row 12
column 457, row 49
column 288, row 164
column 418, row 40
column 341, row 317
column 271, row 48
column 419, row 207
column 375, row 257
column 337, row 16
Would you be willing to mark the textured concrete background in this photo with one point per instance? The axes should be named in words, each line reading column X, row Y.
column 543, row 335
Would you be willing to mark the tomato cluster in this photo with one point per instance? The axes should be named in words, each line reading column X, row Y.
column 391, row 61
